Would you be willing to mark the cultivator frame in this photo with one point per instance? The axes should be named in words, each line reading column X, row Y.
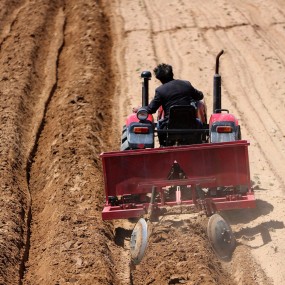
column 216, row 177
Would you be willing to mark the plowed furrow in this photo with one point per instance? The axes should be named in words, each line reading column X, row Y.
column 18, row 60
column 68, row 241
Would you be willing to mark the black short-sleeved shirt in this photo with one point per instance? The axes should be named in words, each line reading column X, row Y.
column 174, row 92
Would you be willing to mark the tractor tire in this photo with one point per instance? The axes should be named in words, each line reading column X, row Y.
column 124, row 136
column 238, row 133
column 124, row 141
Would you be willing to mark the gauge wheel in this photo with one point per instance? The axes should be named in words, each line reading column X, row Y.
column 139, row 241
column 221, row 237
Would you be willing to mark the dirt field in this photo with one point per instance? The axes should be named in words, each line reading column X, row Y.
column 69, row 75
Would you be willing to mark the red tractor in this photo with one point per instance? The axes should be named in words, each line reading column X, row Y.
column 201, row 165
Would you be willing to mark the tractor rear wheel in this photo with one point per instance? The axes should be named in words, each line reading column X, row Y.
column 124, row 141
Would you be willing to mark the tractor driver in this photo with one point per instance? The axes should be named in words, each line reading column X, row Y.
column 171, row 92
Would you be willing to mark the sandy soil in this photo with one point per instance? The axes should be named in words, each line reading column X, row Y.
column 69, row 75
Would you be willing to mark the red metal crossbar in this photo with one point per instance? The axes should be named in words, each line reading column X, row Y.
column 134, row 173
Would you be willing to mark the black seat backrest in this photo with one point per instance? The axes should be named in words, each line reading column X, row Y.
column 182, row 117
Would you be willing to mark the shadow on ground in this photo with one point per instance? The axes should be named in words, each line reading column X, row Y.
column 244, row 216
column 263, row 230
column 249, row 233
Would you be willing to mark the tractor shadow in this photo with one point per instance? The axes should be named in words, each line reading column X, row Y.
column 121, row 236
column 259, row 235
column 253, row 236
column 244, row 216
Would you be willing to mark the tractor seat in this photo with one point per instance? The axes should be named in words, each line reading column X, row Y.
column 182, row 118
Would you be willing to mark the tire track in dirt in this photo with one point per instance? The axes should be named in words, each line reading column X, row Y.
column 160, row 36
column 146, row 8
column 134, row 57
column 273, row 53
column 263, row 122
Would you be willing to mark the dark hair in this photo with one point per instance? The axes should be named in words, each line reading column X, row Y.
column 163, row 72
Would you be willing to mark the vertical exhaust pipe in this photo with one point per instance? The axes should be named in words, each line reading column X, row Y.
column 217, row 98
column 146, row 75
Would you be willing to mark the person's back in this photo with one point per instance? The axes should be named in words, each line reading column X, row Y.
column 176, row 92
column 171, row 92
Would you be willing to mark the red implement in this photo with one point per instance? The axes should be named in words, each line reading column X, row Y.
column 216, row 177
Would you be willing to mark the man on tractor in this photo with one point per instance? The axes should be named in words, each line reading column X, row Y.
column 174, row 92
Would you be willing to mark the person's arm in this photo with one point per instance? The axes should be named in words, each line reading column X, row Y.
column 154, row 104
column 196, row 94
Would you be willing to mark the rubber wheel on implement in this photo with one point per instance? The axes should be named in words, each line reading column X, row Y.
column 139, row 241
column 221, row 237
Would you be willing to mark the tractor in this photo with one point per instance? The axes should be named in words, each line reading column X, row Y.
column 203, row 166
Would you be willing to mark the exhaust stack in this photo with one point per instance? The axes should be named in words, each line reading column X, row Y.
column 146, row 75
column 217, row 94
